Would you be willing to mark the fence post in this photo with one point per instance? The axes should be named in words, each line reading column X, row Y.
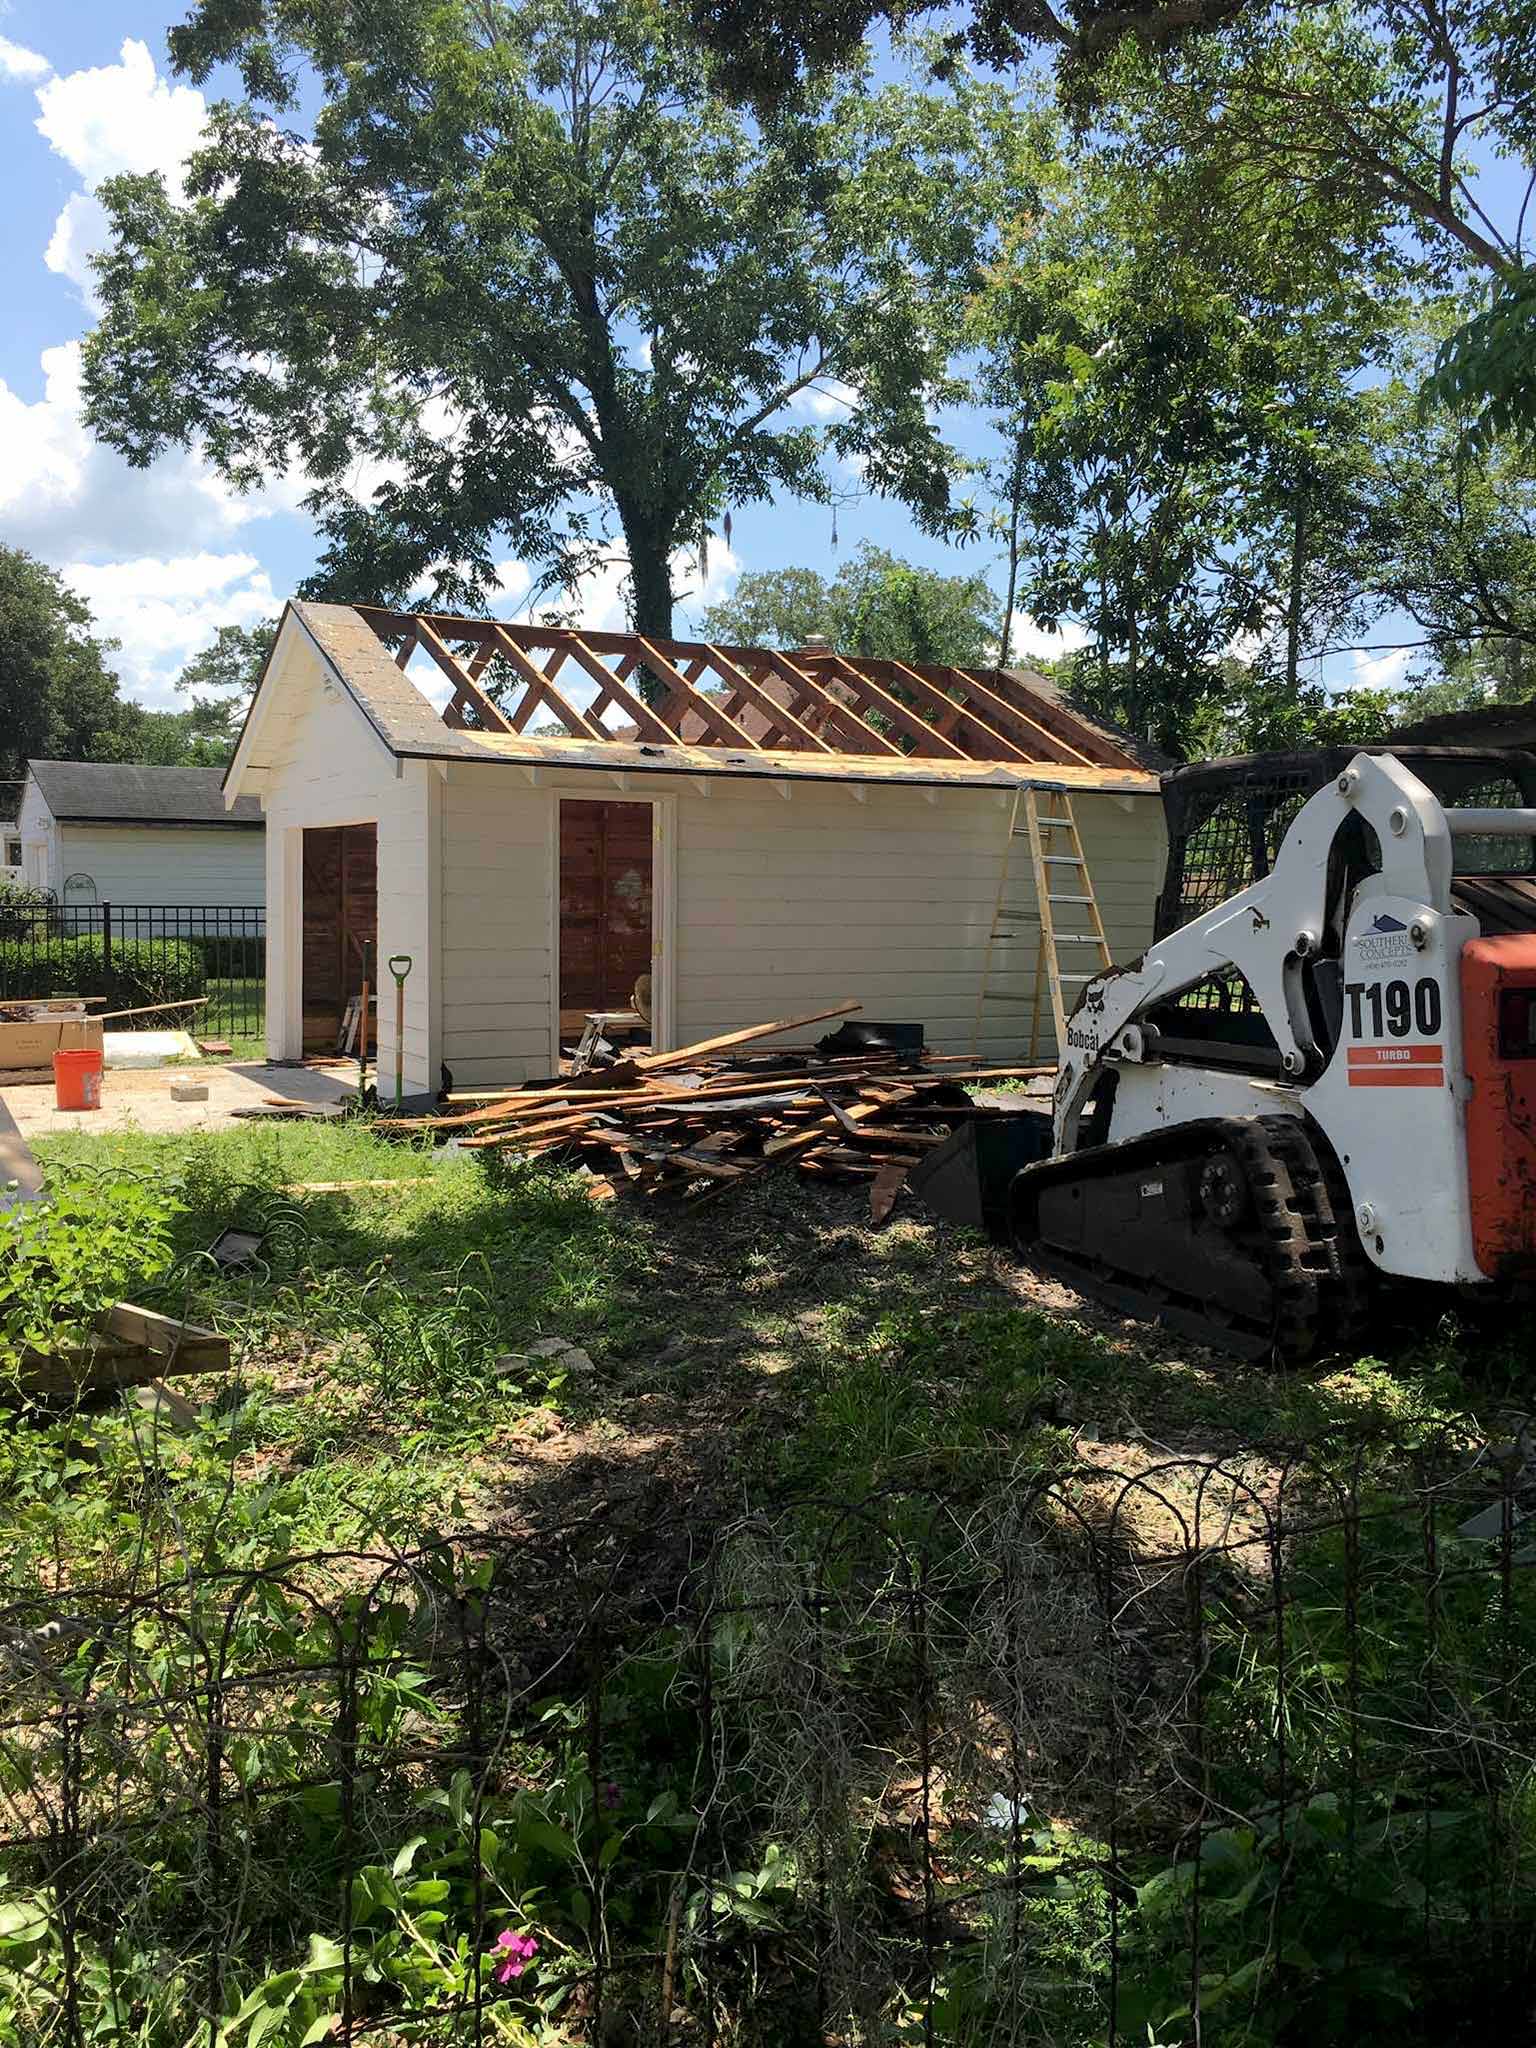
column 106, row 938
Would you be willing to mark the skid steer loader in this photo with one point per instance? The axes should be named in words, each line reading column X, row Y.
column 1324, row 1077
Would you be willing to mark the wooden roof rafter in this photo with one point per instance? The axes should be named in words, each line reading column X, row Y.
column 746, row 700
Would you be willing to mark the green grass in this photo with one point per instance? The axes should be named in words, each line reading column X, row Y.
column 745, row 1354
column 237, row 1000
column 785, row 1346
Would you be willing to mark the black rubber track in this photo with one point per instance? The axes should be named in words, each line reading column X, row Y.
column 1310, row 1277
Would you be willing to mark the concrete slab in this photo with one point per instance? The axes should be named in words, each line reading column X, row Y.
column 147, row 1048
column 138, row 1099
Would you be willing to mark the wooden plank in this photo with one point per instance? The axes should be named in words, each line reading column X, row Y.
column 998, row 711
column 490, row 715
column 183, row 1347
column 575, row 721
column 928, row 738
column 780, row 721
column 651, row 726
column 135, row 1345
column 888, row 1184
column 693, row 699
column 865, row 737
column 651, row 1063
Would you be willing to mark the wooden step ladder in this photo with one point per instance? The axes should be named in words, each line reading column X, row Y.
column 1062, row 882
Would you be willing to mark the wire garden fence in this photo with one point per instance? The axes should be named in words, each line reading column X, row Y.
column 136, row 953
column 1225, row 1749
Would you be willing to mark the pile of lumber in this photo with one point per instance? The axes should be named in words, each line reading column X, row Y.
column 708, row 1116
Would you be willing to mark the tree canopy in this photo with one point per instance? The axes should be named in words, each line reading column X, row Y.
column 525, row 285
column 876, row 605
column 58, row 697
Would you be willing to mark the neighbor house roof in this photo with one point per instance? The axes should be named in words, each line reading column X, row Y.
column 805, row 715
column 128, row 793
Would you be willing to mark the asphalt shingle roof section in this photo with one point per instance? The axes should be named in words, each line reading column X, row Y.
column 129, row 793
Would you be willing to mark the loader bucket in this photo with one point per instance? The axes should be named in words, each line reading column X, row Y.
column 967, row 1178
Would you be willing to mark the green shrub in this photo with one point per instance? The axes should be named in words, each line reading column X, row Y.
column 23, row 910
column 231, row 957
column 140, row 970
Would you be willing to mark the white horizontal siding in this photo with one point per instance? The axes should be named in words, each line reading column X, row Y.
column 780, row 906
column 326, row 766
column 164, row 864
column 496, row 925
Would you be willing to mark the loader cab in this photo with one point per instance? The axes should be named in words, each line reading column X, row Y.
column 1226, row 821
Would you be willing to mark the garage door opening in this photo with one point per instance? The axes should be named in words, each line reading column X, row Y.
column 606, row 930
column 341, row 916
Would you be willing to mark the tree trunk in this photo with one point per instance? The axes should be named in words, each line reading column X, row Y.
column 1015, row 494
column 650, row 574
column 1293, row 608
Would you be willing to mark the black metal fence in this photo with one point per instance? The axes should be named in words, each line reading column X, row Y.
column 136, row 953
column 1225, row 1750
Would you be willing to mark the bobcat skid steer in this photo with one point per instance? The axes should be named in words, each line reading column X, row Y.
column 1324, row 1078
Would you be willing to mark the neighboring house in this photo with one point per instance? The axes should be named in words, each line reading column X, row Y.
column 10, row 832
column 776, row 833
column 97, row 832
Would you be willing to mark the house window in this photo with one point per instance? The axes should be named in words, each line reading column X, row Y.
column 13, row 853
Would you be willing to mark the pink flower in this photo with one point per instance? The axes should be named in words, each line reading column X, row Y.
column 517, row 1951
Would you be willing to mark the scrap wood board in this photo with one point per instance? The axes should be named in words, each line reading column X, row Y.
column 710, row 1115
column 132, row 1345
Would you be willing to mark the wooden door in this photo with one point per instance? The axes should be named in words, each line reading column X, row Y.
column 605, row 906
column 341, row 913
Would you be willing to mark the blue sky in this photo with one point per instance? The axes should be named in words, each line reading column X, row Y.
column 166, row 556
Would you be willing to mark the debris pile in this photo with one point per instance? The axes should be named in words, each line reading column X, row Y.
column 864, row 1104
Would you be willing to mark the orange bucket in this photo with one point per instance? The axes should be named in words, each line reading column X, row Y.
column 77, row 1079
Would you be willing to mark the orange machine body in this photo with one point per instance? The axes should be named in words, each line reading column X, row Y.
column 1498, row 1020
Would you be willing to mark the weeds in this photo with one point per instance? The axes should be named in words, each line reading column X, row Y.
column 982, row 1752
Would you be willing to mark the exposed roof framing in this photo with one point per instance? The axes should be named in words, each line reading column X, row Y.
column 750, row 700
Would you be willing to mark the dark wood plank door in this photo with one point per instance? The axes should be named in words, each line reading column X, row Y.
column 605, row 906
column 341, row 913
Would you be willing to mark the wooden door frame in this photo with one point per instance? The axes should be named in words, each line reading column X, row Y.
column 663, row 910
column 287, row 1041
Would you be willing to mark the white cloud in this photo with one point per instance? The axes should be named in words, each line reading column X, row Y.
column 1030, row 641
column 1384, row 671
column 165, row 609
column 114, row 118
column 64, row 495
column 828, row 398
column 80, row 230
column 121, row 117
column 19, row 65
column 514, row 578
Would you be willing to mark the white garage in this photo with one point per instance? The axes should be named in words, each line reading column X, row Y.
column 761, row 833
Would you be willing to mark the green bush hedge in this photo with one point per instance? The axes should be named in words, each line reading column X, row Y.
column 141, row 971
column 231, row 957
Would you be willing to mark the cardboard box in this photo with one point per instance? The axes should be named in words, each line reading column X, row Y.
column 34, row 1044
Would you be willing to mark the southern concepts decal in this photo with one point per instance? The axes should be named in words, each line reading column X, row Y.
column 1397, row 1066
column 1385, row 938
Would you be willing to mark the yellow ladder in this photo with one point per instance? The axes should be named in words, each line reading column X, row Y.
column 1062, row 881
